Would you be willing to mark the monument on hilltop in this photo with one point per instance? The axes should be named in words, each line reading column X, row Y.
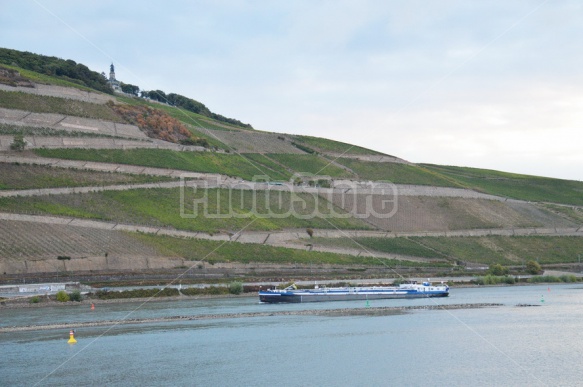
column 114, row 83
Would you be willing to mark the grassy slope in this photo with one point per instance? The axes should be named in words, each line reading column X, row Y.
column 487, row 250
column 516, row 186
column 309, row 164
column 275, row 170
column 397, row 173
column 220, row 210
column 326, row 145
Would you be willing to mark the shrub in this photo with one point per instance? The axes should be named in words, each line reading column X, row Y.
column 136, row 293
column 498, row 270
column 494, row 280
column 533, row 267
column 235, row 288
column 18, row 143
column 34, row 300
column 214, row 290
column 544, row 278
column 75, row 295
column 62, row 296
column 568, row 278
column 310, row 232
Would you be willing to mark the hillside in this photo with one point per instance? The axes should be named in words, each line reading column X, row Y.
column 113, row 186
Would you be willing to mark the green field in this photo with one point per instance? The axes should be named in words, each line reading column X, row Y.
column 213, row 252
column 214, row 210
column 44, row 104
column 15, row 176
column 516, row 186
column 205, row 162
column 488, row 250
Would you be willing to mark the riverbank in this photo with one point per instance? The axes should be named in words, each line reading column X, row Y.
column 24, row 302
column 367, row 311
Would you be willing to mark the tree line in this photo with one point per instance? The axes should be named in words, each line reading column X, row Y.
column 60, row 68
column 189, row 104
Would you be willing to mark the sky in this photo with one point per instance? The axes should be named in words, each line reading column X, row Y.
column 487, row 84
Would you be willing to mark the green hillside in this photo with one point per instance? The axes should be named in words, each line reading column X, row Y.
column 515, row 186
column 219, row 209
column 322, row 232
column 319, row 144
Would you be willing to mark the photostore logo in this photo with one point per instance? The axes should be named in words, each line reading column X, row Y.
column 305, row 196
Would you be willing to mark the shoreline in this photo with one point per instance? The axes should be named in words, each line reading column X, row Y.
column 24, row 302
column 369, row 311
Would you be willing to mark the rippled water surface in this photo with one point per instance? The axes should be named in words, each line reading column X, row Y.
column 506, row 345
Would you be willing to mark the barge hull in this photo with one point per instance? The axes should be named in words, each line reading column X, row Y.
column 297, row 298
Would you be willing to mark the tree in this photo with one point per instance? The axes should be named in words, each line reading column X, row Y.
column 18, row 143
column 533, row 267
column 62, row 296
column 75, row 295
column 130, row 89
column 235, row 288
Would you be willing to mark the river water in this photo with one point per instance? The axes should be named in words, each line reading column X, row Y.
column 508, row 345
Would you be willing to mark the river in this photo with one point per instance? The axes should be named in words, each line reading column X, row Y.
column 511, row 344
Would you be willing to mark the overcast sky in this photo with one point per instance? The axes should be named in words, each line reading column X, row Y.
column 487, row 84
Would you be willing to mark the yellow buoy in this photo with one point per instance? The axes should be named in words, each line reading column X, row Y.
column 72, row 337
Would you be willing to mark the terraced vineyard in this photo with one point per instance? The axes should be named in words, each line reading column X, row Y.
column 398, row 173
column 416, row 230
column 36, row 240
column 516, row 186
column 310, row 164
column 219, row 209
column 487, row 250
column 37, row 176
column 56, row 105
column 214, row 252
column 226, row 164
column 325, row 145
